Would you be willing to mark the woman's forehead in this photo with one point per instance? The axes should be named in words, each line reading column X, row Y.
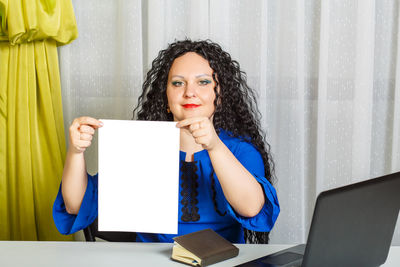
column 190, row 64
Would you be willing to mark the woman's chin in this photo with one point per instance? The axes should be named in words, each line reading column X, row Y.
column 188, row 115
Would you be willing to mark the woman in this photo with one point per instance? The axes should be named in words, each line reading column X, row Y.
column 225, row 169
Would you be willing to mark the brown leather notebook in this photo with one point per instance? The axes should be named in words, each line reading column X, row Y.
column 202, row 248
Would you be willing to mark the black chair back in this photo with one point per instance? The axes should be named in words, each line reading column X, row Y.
column 91, row 232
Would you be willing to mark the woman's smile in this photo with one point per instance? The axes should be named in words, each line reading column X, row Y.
column 190, row 106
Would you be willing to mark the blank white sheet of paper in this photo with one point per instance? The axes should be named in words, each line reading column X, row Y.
column 138, row 176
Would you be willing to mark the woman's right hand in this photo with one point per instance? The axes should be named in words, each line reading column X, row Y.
column 81, row 133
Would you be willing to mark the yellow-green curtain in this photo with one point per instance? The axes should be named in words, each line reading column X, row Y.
column 32, row 141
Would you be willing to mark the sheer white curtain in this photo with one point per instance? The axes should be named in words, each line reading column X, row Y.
column 327, row 74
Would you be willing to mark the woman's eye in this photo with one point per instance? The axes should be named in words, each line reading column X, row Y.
column 177, row 83
column 205, row 82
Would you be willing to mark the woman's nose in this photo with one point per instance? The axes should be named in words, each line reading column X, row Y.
column 190, row 90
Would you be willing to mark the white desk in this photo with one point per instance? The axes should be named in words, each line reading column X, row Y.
column 43, row 254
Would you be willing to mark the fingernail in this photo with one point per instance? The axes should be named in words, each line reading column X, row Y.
column 101, row 124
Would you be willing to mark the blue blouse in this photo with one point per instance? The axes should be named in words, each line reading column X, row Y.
column 230, row 225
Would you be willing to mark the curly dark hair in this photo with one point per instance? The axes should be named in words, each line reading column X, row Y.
column 235, row 103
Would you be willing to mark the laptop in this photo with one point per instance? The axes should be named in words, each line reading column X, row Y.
column 351, row 226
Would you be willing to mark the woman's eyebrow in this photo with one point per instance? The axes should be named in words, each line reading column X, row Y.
column 177, row 76
column 197, row 76
column 201, row 75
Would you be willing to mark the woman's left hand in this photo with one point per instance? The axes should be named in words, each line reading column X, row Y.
column 202, row 131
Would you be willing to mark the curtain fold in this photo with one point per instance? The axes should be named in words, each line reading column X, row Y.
column 32, row 141
column 28, row 20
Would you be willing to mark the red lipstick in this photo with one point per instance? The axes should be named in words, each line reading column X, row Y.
column 190, row 106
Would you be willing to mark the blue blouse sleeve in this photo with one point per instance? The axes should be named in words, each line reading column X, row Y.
column 251, row 159
column 70, row 223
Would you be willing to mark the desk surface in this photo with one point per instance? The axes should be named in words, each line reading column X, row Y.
column 23, row 253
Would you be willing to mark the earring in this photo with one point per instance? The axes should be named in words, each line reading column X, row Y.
column 168, row 110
